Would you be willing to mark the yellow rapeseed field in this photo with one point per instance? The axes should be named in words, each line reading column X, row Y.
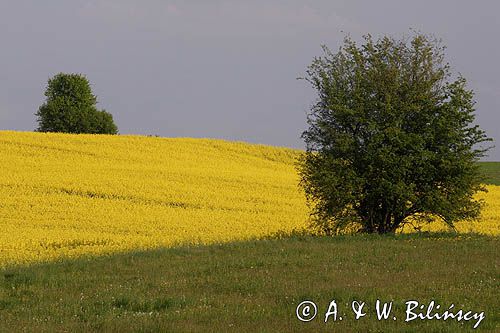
column 67, row 195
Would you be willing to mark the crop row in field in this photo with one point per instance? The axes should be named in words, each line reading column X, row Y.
column 67, row 195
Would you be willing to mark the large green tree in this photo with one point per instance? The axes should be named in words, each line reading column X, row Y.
column 391, row 138
column 70, row 107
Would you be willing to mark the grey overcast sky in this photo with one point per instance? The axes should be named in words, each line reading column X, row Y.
column 221, row 68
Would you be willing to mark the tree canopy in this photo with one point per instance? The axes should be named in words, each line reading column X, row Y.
column 71, row 107
column 391, row 138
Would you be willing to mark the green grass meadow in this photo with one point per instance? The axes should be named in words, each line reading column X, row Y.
column 255, row 286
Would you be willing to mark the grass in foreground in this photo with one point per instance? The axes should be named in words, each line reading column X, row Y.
column 255, row 286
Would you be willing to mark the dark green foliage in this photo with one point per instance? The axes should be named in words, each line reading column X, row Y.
column 71, row 108
column 104, row 123
column 391, row 136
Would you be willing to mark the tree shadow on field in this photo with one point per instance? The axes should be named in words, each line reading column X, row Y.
column 253, row 284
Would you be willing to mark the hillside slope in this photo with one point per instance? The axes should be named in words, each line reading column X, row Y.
column 65, row 195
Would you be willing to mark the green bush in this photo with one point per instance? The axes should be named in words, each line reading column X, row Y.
column 70, row 107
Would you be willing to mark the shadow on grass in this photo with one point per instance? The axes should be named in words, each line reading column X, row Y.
column 256, row 285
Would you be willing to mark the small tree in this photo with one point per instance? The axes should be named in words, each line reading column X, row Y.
column 390, row 138
column 71, row 107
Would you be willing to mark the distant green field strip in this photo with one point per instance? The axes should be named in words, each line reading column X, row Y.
column 491, row 171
